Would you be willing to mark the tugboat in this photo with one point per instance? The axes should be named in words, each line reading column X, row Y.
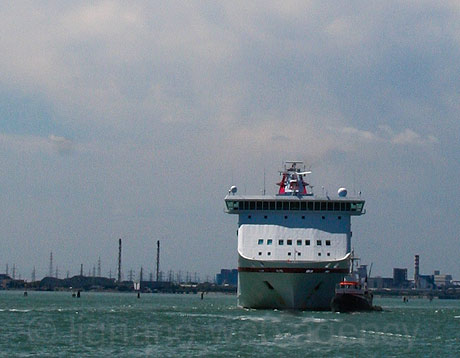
column 351, row 296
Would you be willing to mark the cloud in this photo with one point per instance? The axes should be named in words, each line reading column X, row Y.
column 409, row 137
column 62, row 145
column 159, row 88
column 359, row 134
column 383, row 135
column 15, row 143
column 23, row 143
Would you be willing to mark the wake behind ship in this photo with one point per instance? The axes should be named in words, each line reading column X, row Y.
column 293, row 247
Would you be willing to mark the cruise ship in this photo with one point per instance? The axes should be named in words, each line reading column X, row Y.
column 293, row 247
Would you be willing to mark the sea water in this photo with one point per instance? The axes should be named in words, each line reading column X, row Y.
column 55, row 324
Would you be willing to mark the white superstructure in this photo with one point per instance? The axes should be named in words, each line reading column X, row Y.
column 293, row 247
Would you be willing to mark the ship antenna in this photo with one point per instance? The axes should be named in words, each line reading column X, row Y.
column 352, row 260
column 264, row 181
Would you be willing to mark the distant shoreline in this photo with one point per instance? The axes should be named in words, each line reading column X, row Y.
column 103, row 284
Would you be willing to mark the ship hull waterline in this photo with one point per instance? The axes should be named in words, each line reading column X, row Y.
column 289, row 285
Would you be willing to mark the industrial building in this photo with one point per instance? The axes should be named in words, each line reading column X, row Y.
column 227, row 277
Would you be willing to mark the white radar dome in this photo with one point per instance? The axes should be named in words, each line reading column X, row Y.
column 233, row 189
column 342, row 192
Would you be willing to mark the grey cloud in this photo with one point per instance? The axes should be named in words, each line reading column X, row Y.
column 157, row 88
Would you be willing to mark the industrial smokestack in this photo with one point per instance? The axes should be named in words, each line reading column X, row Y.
column 119, row 260
column 158, row 260
column 50, row 273
column 416, row 271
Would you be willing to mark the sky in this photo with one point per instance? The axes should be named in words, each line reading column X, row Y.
column 132, row 119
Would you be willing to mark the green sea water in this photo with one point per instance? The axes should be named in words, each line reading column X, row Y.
column 54, row 324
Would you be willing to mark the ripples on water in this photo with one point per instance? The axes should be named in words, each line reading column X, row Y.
column 54, row 324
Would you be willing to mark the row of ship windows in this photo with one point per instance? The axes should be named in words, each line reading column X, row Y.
column 290, row 254
column 290, row 241
column 303, row 217
column 295, row 205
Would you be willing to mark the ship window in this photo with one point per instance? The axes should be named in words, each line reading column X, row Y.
column 280, row 242
column 289, row 242
column 353, row 206
column 260, row 254
column 285, row 216
column 298, row 254
column 340, row 218
column 323, row 205
column 246, row 205
column 318, row 242
column 249, row 216
column 328, row 242
column 342, row 206
column 295, row 205
column 323, row 217
column 259, row 205
column 319, row 253
column 269, row 241
column 299, row 242
column 252, row 205
column 307, row 242
column 265, row 205
column 310, row 205
column 236, row 205
column 260, row 242
column 289, row 254
column 317, row 206
column 328, row 254
column 286, row 205
column 272, row 205
column 265, row 216
column 269, row 253
column 279, row 205
column 336, row 206
column 330, row 206
column 303, row 205
column 347, row 206
column 303, row 216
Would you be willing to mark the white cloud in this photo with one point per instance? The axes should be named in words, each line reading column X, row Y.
column 384, row 135
column 409, row 137
column 62, row 144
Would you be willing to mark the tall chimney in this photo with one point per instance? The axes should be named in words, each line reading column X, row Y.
column 50, row 273
column 119, row 260
column 416, row 271
column 158, row 260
